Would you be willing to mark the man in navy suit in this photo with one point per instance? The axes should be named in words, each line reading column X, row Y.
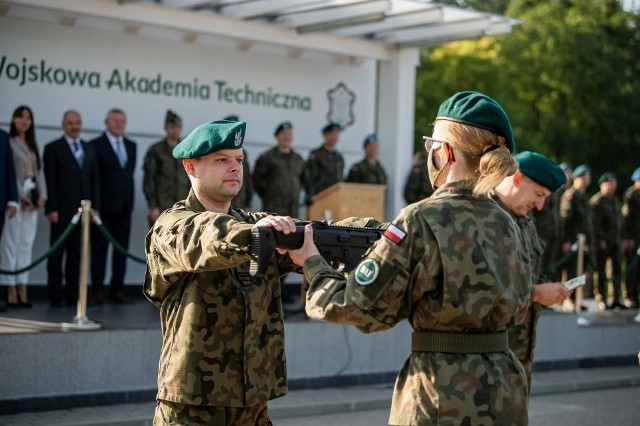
column 116, row 160
column 71, row 175
column 8, row 189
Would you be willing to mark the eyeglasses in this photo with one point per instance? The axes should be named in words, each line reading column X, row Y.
column 429, row 141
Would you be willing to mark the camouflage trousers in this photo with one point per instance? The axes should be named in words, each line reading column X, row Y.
column 173, row 414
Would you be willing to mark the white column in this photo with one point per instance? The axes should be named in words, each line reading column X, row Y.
column 395, row 118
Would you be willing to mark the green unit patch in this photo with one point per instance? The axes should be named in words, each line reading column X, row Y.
column 367, row 271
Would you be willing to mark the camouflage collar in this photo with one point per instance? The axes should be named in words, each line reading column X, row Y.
column 193, row 203
column 461, row 187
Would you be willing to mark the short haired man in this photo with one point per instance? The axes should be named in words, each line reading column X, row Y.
column 537, row 178
column 165, row 181
column 223, row 353
column 369, row 170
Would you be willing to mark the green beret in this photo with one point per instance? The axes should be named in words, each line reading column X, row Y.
column 478, row 110
column 211, row 137
column 636, row 175
column 285, row 125
column 232, row 117
column 607, row 177
column 331, row 127
column 172, row 117
column 581, row 170
column 541, row 170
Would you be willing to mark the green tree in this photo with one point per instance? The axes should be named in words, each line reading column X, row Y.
column 568, row 77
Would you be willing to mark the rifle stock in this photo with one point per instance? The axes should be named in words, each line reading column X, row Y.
column 342, row 246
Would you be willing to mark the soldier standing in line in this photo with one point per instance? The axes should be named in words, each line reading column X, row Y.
column 369, row 170
column 537, row 179
column 165, row 182
column 277, row 175
column 325, row 165
column 244, row 197
column 631, row 242
column 417, row 186
column 277, row 178
column 223, row 351
column 547, row 222
column 456, row 267
column 607, row 229
column 576, row 216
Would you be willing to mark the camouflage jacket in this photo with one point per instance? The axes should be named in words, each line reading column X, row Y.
column 277, row 178
column 365, row 172
column 165, row 182
column 607, row 219
column 222, row 330
column 576, row 215
column 417, row 187
column 461, row 267
column 522, row 336
column 243, row 199
column 322, row 169
column 631, row 213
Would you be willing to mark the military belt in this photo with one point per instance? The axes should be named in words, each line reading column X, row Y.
column 446, row 342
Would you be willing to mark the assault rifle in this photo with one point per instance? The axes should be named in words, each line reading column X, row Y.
column 342, row 246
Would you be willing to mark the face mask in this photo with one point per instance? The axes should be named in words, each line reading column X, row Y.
column 434, row 172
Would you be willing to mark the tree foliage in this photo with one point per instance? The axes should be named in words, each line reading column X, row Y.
column 568, row 77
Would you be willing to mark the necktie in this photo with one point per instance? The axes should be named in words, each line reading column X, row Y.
column 78, row 153
column 120, row 152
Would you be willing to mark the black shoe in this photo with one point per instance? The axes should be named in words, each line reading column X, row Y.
column 25, row 305
column 13, row 305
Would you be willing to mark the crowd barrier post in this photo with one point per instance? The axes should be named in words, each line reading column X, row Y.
column 80, row 321
column 580, row 271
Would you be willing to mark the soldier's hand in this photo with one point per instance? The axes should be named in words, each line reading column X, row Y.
column 308, row 249
column 154, row 213
column 283, row 224
column 11, row 211
column 548, row 294
column 53, row 217
column 566, row 247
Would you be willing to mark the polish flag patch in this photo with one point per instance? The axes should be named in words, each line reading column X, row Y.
column 395, row 234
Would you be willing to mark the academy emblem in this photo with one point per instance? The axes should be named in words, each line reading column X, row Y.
column 367, row 272
column 341, row 101
column 238, row 140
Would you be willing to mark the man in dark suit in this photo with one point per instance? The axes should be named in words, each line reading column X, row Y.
column 71, row 175
column 8, row 189
column 116, row 160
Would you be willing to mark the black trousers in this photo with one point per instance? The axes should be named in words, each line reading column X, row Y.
column 119, row 226
column 70, row 253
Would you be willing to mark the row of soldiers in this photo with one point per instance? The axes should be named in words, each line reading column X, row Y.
column 612, row 233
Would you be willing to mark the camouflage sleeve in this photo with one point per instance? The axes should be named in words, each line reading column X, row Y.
column 150, row 168
column 247, row 181
column 597, row 217
column 376, row 295
column 566, row 212
column 309, row 177
column 197, row 242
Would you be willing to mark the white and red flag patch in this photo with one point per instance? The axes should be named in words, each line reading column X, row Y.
column 395, row 234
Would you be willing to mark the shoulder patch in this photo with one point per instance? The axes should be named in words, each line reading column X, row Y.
column 367, row 271
column 395, row 234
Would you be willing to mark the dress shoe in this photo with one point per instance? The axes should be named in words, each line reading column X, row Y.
column 25, row 304
column 121, row 299
column 13, row 305
column 99, row 299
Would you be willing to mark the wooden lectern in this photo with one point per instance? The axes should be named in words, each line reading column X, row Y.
column 344, row 200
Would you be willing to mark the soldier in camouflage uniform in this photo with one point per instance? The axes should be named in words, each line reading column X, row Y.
column 277, row 175
column 417, row 186
column 223, row 352
column 325, row 166
column 369, row 170
column 165, row 181
column 456, row 267
column 536, row 180
column 607, row 228
column 245, row 195
column 631, row 242
column 576, row 217
column 547, row 223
